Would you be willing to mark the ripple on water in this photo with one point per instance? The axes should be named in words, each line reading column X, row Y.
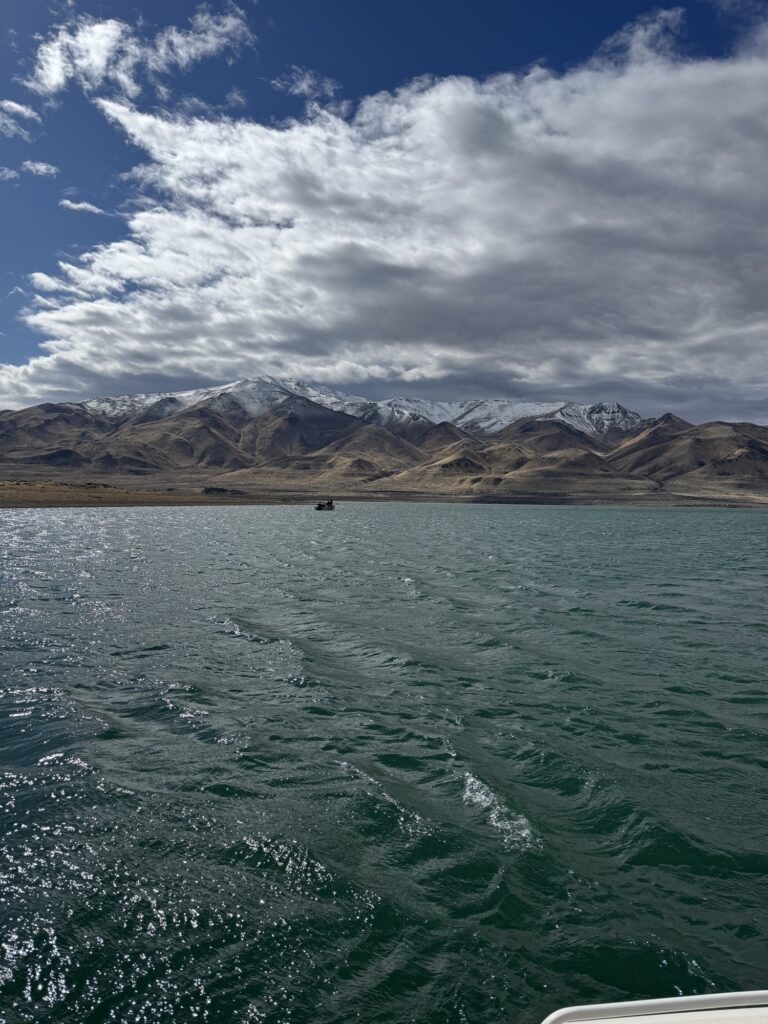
column 412, row 762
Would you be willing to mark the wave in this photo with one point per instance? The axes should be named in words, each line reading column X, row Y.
column 517, row 832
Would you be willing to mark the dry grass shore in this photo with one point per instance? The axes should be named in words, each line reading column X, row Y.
column 88, row 494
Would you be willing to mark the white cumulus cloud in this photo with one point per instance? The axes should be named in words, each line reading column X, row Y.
column 599, row 233
column 99, row 53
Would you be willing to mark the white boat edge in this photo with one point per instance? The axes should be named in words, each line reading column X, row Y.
column 672, row 1005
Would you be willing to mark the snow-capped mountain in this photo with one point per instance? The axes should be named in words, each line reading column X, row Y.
column 481, row 416
column 253, row 396
column 283, row 439
column 599, row 418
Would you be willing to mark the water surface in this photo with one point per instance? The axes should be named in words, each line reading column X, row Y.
column 431, row 763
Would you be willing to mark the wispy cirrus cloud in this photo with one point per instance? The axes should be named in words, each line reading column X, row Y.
column 80, row 207
column 304, row 82
column 14, row 109
column 35, row 167
column 236, row 97
column 595, row 233
column 97, row 54
column 39, row 168
column 749, row 8
column 12, row 116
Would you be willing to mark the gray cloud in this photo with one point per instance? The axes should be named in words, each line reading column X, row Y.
column 595, row 234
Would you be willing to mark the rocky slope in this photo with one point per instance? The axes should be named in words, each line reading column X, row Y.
column 267, row 436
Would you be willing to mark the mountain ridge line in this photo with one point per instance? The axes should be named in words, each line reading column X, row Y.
column 260, row 437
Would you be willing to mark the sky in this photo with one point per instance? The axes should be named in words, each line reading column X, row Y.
column 565, row 200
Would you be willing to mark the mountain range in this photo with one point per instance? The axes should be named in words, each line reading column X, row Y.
column 267, row 437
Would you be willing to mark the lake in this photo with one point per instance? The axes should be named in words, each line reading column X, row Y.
column 404, row 762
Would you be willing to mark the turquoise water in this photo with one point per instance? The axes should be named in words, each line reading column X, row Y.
column 431, row 763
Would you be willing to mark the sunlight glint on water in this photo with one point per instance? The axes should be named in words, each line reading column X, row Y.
column 406, row 762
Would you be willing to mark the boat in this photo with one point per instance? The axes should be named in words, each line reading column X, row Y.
column 325, row 506
column 712, row 1008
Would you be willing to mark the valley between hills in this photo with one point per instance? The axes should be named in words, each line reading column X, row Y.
column 273, row 440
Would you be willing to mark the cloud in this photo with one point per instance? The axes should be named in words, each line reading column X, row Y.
column 36, row 167
column 749, row 8
column 599, row 233
column 236, row 97
column 210, row 34
column 110, row 53
column 300, row 81
column 18, row 110
column 10, row 115
column 80, row 207
column 40, row 169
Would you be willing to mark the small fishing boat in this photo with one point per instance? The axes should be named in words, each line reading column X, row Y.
column 711, row 1008
column 325, row 506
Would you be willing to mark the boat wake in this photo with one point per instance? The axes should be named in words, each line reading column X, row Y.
column 516, row 830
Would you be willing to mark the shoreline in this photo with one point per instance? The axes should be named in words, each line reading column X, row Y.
column 20, row 494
